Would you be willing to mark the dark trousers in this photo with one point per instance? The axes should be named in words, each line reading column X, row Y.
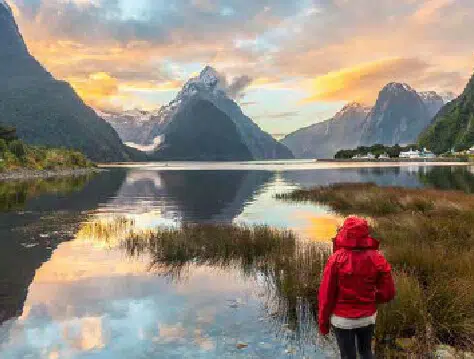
column 351, row 341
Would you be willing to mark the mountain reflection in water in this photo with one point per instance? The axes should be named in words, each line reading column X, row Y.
column 116, row 279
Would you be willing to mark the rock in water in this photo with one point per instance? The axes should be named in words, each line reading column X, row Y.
column 241, row 345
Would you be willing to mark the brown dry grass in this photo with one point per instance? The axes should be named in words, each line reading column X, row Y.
column 428, row 237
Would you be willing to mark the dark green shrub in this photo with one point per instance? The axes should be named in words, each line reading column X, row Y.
column 3, row 145
column 17, row 148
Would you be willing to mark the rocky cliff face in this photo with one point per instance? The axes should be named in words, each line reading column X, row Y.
column 400, row 114
column 200, row 131
column 46, row 111
column 207, row 86
column 324, row 139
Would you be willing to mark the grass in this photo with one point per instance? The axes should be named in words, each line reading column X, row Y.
column 428, row 237
column 288, row 269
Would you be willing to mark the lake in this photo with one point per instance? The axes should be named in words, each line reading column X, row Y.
column 70, row 288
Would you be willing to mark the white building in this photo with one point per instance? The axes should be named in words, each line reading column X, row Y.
column 368, row 156
column 425, row 154
column 410, row 154
column 471, row 150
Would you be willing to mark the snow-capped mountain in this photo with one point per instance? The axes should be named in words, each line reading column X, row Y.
column 209, row 86
column 132, row 126
column 448, row 96
column 433, row 101
column 4, row 3
column 400, row 114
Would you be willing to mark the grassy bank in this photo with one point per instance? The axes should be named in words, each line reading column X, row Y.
column 428, row 236
column 16, row 155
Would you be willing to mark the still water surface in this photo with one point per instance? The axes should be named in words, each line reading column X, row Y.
column 69, row 289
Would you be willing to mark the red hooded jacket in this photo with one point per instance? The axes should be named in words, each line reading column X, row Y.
column 357, row 277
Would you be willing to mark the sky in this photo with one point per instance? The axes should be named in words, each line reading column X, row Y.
column 298, row 61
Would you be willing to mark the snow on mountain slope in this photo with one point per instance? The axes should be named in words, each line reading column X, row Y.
column 209, row 85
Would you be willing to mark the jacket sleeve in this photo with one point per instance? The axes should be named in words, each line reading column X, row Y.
column 385, row 285
column 327, row 295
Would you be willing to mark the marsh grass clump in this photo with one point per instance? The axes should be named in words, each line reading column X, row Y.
column 276, row 254
column 290, row 269
column 428, row 237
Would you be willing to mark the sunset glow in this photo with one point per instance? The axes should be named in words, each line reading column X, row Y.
column 311, row 57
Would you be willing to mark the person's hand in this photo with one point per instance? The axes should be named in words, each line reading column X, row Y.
column 324, row 328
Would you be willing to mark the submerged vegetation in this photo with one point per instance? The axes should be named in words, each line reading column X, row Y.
column 289, row 268
column 16, row 155
column 428, row 237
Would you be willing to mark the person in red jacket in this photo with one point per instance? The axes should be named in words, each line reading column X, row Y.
column 356, row 279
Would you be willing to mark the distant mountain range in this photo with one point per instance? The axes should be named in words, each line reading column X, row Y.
column 324, row 139
column 399, row 116
column 453, row 126
column 46, row 111
column 148, row 130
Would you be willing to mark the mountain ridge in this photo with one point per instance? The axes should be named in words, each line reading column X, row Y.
column 200, row 131
column 453, row 126
column 398, row 116
column 206, row 86
column 46, row 111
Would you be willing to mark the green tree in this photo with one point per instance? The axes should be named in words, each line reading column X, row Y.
column 17, row 148
column 3, row 146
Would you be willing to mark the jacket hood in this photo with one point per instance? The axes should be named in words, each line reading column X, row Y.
column 354, row 234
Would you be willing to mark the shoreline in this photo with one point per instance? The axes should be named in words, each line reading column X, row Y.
column 401, row 160
column 26, row 174
column 276, row 166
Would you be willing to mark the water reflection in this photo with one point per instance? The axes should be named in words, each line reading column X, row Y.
column 48, row 213
column 100, row 295
column 446, row 178
column 15, row 194
column 207, row 196
column 228, row 285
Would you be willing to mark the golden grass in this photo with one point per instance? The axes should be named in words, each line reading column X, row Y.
column 428, row 237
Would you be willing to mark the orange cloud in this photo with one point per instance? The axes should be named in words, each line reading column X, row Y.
column 332, row 56
column 429, row 12
column 362, row 82
column 96, row 88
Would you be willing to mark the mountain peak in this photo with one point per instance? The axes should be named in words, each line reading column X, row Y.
column 209, row 75
column 430, row 96
column 397, row 87
column 448, row 96
column 353, row 106
column 4, row 3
